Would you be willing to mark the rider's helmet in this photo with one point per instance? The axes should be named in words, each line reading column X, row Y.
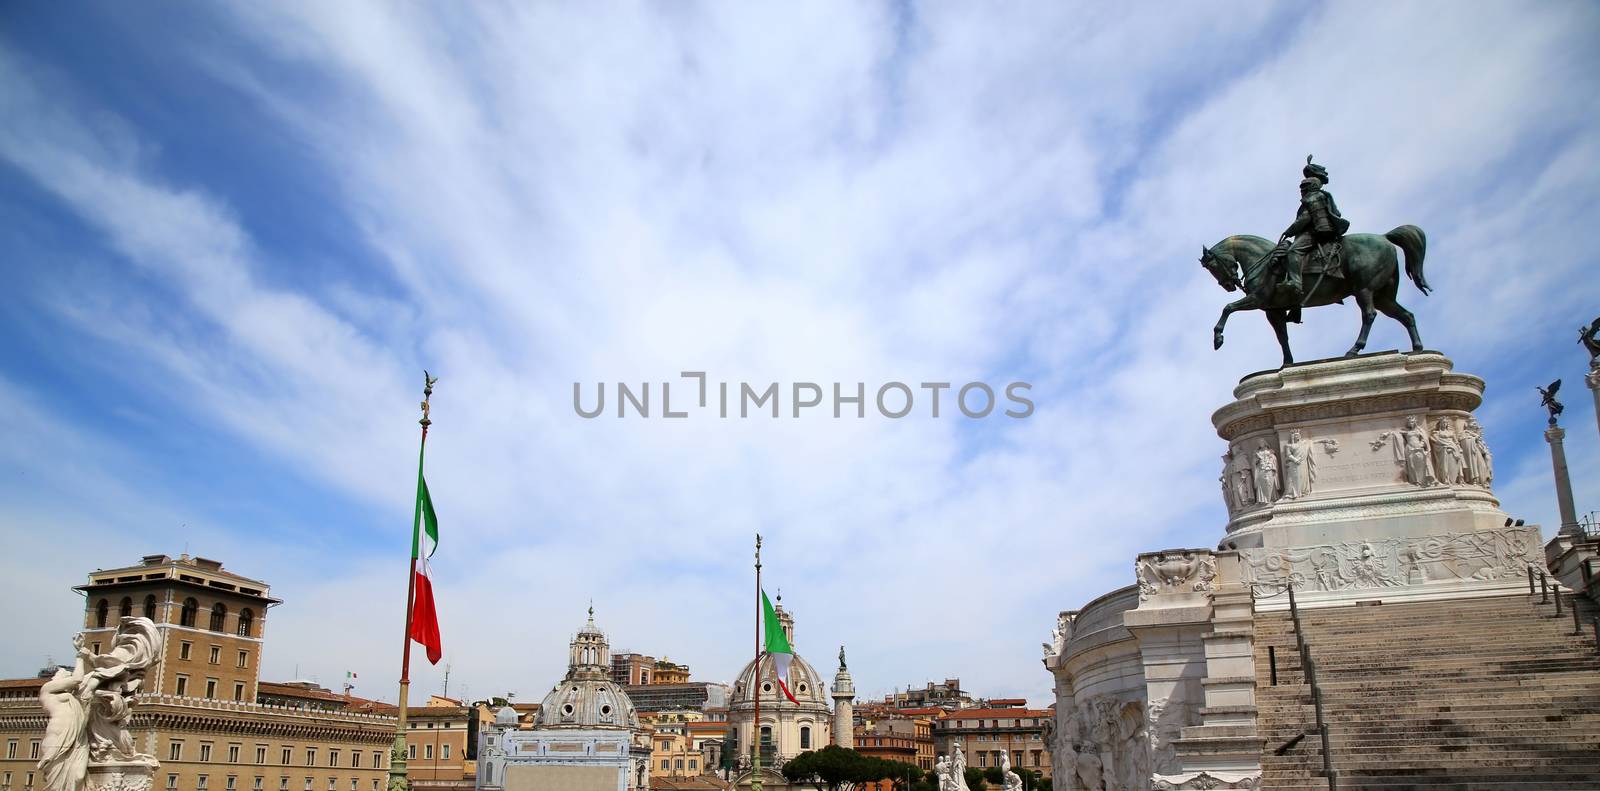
column 1317, row 172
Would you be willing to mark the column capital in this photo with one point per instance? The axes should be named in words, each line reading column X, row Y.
column 1554, row 434
column 1593, row 377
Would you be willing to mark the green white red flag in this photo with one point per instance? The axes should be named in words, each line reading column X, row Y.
column 777, row 645
column 424, row 618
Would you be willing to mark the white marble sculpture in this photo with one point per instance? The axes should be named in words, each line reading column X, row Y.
column 958, row 770
column 1244, row 492
column 1266, row 474
column 88, row 707
column 1299, row 466
column 1449, row 463
column 1480, row 462
column 1227, row 484
column 1008, row 779
column 1412, row 452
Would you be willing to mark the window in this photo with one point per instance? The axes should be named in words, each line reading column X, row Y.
column 427, row 752
column 172, row 782
column 411, row 752
column 308, row 784
column 233, row 753
column 355, row 759
column 211, row 688
column 311, row 756
column 205, row 753
column 283, row 783
column 175, row 751
column 219, row 617
column 983, row 759
column 233, row 783
column 126, row 608
column 182, row 689
column 101, row 611
column 333, row 757
column 693, row 764
column 805, row 737
column 216, row 655
column 377, row 759
column 200, row 783
column 665, row 764
column 33, row 750
column 285, row 758
column 190, row 612
column 333, row 784
column 678, row 764
column 238, row 690
column 257, row 785
column 446, row 754
column 244, row 659
column 11, row 750
column 261, row 753
column 246, row 620
column 354, row 784
column 150, row 606
column 184, row 649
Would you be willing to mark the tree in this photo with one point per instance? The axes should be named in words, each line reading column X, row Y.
column 834, row 767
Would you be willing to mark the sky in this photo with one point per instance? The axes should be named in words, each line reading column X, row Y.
column 235, row 234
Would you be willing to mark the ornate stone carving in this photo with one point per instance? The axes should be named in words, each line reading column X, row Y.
column 1241, row 476
column 88, row 708
column 1299, row 466
column 1062, row 634
column 1105, row 746
column 1175, row 572
column 1352, row 565
column 1352, row 407
column 1009, row 781
column 1204, row 780
column 1266, row 479
column 1227, row 485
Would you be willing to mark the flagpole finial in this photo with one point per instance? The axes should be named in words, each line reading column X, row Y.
column 428, row 381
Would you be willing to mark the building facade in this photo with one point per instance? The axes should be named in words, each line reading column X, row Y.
column 787, row 728
column 206, row 716
column 983, row 734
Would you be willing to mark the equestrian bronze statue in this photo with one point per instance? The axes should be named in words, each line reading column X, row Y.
column 1321, row 266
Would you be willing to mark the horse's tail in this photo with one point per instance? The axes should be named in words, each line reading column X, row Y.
column 1414, row 242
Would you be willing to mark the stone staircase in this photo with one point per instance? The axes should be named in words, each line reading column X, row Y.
column 1489, row 693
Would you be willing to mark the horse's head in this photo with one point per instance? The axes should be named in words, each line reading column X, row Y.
column 1222, row 266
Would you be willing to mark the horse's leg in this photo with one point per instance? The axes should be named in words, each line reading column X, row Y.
column 1368, row 313
column 1386, row 303
column 1216, row 333
column 1280, row 327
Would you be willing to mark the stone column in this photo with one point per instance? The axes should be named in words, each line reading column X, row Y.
column 1558, row 459
column 844, row 694
column 1593, row 380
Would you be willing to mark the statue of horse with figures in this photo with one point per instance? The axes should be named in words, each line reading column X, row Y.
column 1371, row 274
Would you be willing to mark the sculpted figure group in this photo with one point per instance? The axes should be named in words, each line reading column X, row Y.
column 88, row 707
column 1443, row 455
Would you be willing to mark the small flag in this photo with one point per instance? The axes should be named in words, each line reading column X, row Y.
column 424, row 618
column 777, row 643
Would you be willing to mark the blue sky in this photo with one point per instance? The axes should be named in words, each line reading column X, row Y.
column 235, row 235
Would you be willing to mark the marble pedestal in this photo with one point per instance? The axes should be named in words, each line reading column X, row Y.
column 1391, row 498
column 121, row 776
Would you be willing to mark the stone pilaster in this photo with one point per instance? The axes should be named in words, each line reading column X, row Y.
column 1193, row 624
column 1558, row 461
column 1593, row 380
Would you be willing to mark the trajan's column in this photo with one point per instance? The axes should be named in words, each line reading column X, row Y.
column 844, row 694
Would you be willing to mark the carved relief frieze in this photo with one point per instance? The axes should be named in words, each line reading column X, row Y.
column 1104, row 744
column 1354, row 565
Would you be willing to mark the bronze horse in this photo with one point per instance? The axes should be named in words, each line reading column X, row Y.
column 1371, row 275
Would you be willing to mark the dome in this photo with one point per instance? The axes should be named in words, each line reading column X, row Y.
column 506, row 716
column 804, row 681
column 587, row 697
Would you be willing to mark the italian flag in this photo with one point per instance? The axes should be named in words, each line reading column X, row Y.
column 424, row 619
column 777, row 644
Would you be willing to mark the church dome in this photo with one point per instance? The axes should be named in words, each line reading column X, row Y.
column 587, row 697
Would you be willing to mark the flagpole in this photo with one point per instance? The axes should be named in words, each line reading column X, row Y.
column 755, row 682
column 397, row 754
